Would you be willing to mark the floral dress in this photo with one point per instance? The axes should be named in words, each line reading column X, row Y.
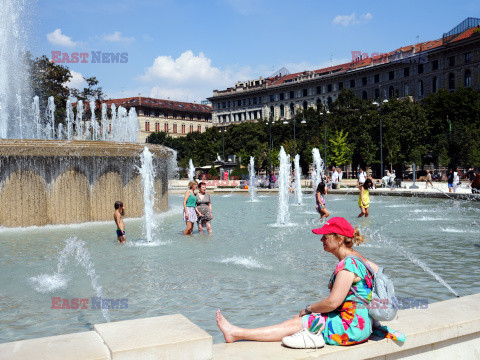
column 350, row 323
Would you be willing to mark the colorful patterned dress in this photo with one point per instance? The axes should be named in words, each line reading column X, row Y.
column 350, row 323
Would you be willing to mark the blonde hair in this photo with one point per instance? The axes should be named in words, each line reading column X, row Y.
column 357, row 239
column 191, row 183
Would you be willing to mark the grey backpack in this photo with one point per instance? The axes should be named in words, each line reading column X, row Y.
column 383, row 306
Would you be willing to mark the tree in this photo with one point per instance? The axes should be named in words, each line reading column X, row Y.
column 341, row 154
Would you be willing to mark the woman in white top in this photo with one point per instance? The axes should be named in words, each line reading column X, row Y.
column 456, row 180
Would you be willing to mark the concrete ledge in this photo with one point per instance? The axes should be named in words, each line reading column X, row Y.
column 446, row 330
column 76, row 346
column 163, row 337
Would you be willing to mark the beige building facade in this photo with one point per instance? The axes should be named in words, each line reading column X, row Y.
column 415, row 71
column 172, row 117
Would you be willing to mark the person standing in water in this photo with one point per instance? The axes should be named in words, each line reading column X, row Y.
column 117, row 216
column 204, row 209
column 320, row 200
column 190, row 207
column 364, row 197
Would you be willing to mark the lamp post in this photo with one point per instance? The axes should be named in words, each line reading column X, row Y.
column 222, row 130
column 325, row 136
column 294, row 132
column 270, row 120
column 381, row 135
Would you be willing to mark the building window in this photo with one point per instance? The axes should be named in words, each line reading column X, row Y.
column 468, row 78
column 272, row 98
column 199, row 128
column 364, row 95
column 255, row 99
column 174, row 128
column 420, row 88
column 435, row 84
column 157, row 127
column 377, row 94
column 340, row 85
column 420, row 68
column 352, row 83
column 239, row 102
column 319, row 90
column 329, row 100
column 468, row 57
column 451, row 61
column 183, row 128
column 282, row 110
column 292, row 94
column 165, row 127
column 292, row 109
column 391, row 92
column 451, row 81
column 272, row 111
column 305, row 92
column 391, row 75
column 191, row 128
column 282, row 96
column 147, row 125
column 146, row 112
column 305, row 105
column 364, row 80
column 406, row 90
column 406, row 72
column 329, row 88
column 435, row 65
column 376, row 78
column 319, row 104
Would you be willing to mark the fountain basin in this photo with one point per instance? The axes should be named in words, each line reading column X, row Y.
column 46, row 182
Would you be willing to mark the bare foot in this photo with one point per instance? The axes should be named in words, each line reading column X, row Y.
column 225, row 327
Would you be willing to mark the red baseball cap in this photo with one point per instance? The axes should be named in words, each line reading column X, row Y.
column 337, row 225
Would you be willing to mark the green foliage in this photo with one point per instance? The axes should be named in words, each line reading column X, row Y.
column 240, row 172
column 341, row 152
column 213, row 171
column 411, row 132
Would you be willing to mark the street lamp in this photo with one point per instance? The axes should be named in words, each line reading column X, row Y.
column 270, row 120
column 294, row 132
column 381, row 136
column 222, row 130
column 325, row 135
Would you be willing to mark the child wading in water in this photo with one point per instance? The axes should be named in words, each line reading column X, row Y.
column 364, row 197
column 117, row 216
column 320, row 199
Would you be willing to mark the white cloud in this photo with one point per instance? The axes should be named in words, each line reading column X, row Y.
column 76, row 81
column 352, row 19
column 189, row 77
column 57, row 38
column 117, row 37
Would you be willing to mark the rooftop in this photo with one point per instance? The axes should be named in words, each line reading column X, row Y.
column 470, row 27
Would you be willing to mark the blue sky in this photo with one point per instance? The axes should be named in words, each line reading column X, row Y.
column 185, row 49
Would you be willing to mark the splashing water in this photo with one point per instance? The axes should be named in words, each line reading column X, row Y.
column 45, row 283
column 252, row 188
column 382, row 239
column 318, row 166
column 298, row 179
column 148, row 184
column 191, row 170
column 283, row 185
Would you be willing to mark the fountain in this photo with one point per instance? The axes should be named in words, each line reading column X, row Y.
column 298, row 179
column 318, row 166
column 252, row 188
column 59, row 182
column 147, row 172
column 191, row 170
column 46, row 283
column 283, row 185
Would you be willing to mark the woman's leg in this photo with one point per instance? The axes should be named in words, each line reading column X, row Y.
column 325, row 213
column 269, row 333
column 366, row 211
column 362, row 209
column 200, row 227
column 189, row 229
column 209, row 227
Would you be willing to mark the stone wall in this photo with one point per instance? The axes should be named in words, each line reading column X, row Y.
column 61, row 182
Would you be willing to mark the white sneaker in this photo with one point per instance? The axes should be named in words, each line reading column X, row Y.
column 304, row 339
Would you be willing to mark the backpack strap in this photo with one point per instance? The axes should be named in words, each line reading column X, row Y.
column 371, row 272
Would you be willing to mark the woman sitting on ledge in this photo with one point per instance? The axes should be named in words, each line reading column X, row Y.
column 336, row 320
